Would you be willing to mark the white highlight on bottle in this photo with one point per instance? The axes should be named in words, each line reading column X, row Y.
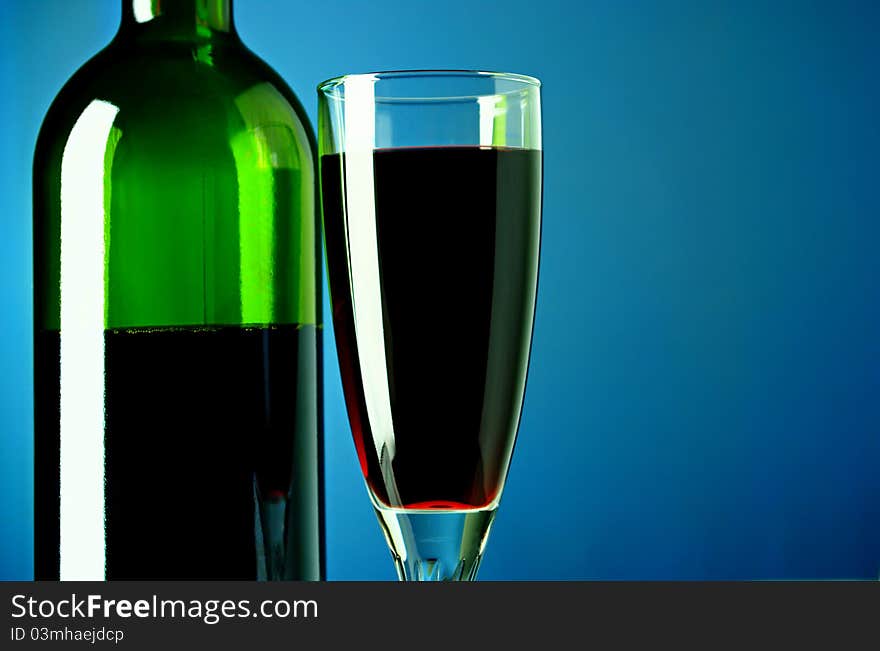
column 82, row 536
column 359, row 121
column 143, row 10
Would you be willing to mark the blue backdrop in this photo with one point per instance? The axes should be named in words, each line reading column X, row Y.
column 704, row 394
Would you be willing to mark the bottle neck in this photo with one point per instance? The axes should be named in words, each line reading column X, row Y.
column 177, row 20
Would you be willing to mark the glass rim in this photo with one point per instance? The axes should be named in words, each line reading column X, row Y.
column 327, row 86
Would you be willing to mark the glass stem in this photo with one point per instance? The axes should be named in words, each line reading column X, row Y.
column 436, row 545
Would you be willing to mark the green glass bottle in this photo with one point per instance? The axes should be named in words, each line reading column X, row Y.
column 177, row 312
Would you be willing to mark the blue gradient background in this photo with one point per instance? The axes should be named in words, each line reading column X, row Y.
column 704, row 394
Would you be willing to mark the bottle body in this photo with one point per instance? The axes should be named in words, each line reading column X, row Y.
column 177, row 321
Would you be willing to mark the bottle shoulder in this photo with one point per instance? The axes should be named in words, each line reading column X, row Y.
column 185, row 89
column 70, row 100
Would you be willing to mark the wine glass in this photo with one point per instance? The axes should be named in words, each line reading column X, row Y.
column 431, row 196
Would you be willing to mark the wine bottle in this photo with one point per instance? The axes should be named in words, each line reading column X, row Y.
column 177, row 325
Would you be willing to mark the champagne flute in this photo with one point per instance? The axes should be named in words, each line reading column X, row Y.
column 431, row 196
